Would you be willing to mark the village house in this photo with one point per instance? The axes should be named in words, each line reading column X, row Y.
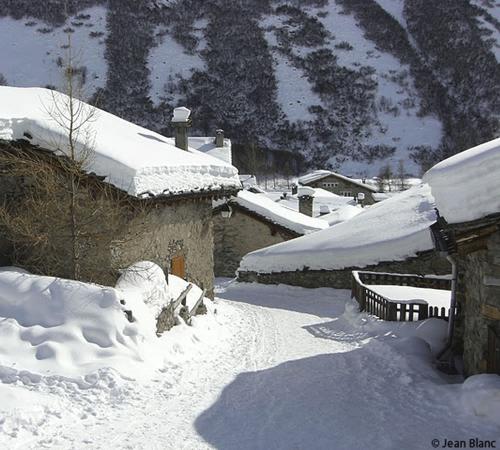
column 392, row 236
column 467, row 192
column 340, row 185
column 164, row 187
column 251, row 221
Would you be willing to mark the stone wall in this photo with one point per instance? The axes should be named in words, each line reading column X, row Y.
column 425, row 263
column 118, row 232
column 479, row 286
column 342, row 186
column 178, row 228
column 239, row 235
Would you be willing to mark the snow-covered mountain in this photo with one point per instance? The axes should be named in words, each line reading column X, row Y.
column 355, row 84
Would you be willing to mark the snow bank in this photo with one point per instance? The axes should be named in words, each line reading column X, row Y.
column 466, row 186
column 293, row 220
column 392, row 230
column 131, row 158
column 55, row 326
column 481, row 396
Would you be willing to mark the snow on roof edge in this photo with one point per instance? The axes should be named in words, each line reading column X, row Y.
column 130, row 157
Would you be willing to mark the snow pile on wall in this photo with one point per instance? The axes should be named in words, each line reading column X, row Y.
column 392, row 230
column 56, row 326
column 293, row 220
column 466, row 186
column 131, row 158
column 146, row 280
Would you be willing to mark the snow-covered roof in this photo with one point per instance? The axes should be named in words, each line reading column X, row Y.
column 392, row 230
column 207, row 145
column 319, row 174
column 321, row 198
column 275, row 213
column 342, row 214
column 130, row 157
column 467, row 186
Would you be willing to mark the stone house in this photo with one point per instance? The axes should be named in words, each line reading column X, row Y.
column 250, row 221
column 392, row 236
column 166, row 189
column 467, row 192
column 340, row 185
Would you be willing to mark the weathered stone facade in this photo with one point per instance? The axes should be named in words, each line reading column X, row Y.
column 478, row 300
column 425, row 264
column 183, row 227
column 154, row 229
column 343, row 187
column 242, row 233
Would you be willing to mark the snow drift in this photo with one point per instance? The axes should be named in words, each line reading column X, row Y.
column 56, row 326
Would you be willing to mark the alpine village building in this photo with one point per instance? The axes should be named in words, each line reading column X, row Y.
column 140, row 196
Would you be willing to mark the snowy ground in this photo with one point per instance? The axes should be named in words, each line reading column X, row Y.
column 276, row 367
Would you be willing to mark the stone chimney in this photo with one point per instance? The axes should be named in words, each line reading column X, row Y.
column 306, row 199
column 219, row 138
column 181, row 121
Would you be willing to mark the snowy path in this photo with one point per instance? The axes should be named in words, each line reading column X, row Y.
column 293, row 369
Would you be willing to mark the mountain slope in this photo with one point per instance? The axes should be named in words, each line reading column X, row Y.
column 354, row 84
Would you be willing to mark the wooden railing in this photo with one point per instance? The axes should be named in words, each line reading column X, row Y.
column 392, row 310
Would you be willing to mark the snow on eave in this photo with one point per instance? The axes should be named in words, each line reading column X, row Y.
column 466, row 186
column 393, row 230
column 275, row 213
column 133, row 159
column 320, row 174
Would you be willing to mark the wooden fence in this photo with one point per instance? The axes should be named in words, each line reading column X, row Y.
column 392, row 310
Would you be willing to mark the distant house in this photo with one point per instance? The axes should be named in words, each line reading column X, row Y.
column 467, row 192
column 339, row 184
column 166, row 187
column 392, row 236
column 251, row 221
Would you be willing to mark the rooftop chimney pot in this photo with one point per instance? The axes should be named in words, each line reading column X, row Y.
column 181, row 120
column 219, row 138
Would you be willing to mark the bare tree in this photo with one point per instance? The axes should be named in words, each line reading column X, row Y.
column 401, row 175
column 385, row 178
column 58, row 219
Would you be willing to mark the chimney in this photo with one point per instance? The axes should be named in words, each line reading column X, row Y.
column 306, row 199
column 181, row 121
column 219, row 138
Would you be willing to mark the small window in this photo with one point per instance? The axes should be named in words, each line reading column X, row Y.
column 346, row 193
column 178, row 266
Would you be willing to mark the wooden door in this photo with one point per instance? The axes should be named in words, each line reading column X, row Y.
column 178, row 266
